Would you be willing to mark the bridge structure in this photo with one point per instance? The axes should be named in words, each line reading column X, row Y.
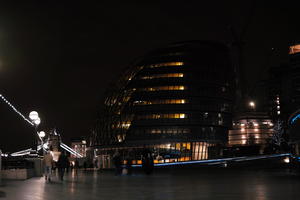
column 44, row 146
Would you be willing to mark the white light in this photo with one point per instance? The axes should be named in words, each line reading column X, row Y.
column 242, row 124
column 278, row 112
column 255, row 124
column 14, row 109
column 42, row 134
column 286, row 160
column 33, row 115
column 83, row 142
column 242, row 129
column 252, row 104
column 37, row 121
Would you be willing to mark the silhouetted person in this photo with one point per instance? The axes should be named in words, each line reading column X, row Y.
column 76, row 166
column 84, row 165
column 62, row 164
column 147, row 161
column 48, row 162
column 117, row 163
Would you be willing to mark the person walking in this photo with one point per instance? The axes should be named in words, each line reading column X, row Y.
column 118, row 163
column 147, row 162
column 62, row 165
column 76, row 166
column 48, row 162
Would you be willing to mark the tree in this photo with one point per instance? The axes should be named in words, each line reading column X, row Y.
column 277, row 137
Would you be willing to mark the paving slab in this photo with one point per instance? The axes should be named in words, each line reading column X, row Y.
column 166, row 184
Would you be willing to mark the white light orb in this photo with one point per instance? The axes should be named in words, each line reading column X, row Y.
column 42, row 134
column 37, row 121
column 33, row 115
column 252, row 104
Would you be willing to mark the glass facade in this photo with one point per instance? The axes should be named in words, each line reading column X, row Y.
column 179, row 94
column 254, row 128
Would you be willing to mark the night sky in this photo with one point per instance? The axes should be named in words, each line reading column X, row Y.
column 59, row 59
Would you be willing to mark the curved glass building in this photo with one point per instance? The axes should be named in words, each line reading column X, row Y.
column 176, row 101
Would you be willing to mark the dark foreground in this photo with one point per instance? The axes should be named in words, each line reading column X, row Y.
column 168, row 184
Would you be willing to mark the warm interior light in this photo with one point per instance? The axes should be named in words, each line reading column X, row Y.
column 294, row 49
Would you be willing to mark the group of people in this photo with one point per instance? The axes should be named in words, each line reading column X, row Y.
column 126, row 167
column 62, row 165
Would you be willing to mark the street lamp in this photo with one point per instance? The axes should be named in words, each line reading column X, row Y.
column 252, row 104
column 42, row 134
column 34, row 117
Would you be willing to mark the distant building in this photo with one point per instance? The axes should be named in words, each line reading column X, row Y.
column 284, row 86
column 284, row 91
column 79, row 145
column 176, row 101
column 251, row 128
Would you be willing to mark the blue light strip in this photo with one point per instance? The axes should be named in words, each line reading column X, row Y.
column 295, row 118
column 218, row 161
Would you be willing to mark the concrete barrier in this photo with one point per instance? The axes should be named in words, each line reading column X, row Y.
column 17, row 174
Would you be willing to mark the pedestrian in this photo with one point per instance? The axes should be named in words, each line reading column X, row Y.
column 129, row 162
column 48, row 162
column 84, row 165
column 117, row 163
column 76, row 166
column 96, row 163
column 62, row 165
column 147, row 162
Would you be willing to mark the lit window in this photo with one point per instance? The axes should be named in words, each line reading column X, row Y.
column 170, row 75
column 167, row 64
column 294, row 49
column 161, row 88
column 160, row 101
column 163, row 116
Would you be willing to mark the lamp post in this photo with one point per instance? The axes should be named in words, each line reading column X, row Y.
column 34, row 117
column 252, row 105
column 42, row 134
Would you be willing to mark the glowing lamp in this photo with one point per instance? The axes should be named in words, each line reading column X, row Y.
column 42, row 134
column 33, row 115
column 37, row 121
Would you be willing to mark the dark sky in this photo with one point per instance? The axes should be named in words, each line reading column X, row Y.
column 58, row 59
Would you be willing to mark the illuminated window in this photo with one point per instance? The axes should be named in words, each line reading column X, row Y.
column 170, row 75
column 163, row 116
column 294, row 49
column 160, row 101
column 124, row 125
column 161, row 88
column 167, row 64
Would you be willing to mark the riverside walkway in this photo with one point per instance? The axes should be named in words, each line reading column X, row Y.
column 168, row 184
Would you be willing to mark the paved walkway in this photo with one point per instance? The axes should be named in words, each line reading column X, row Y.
column 187, row 184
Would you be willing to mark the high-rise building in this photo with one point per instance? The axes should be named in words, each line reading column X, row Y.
column 176, row 101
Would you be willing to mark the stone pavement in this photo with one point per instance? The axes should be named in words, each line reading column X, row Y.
column 173, row 184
